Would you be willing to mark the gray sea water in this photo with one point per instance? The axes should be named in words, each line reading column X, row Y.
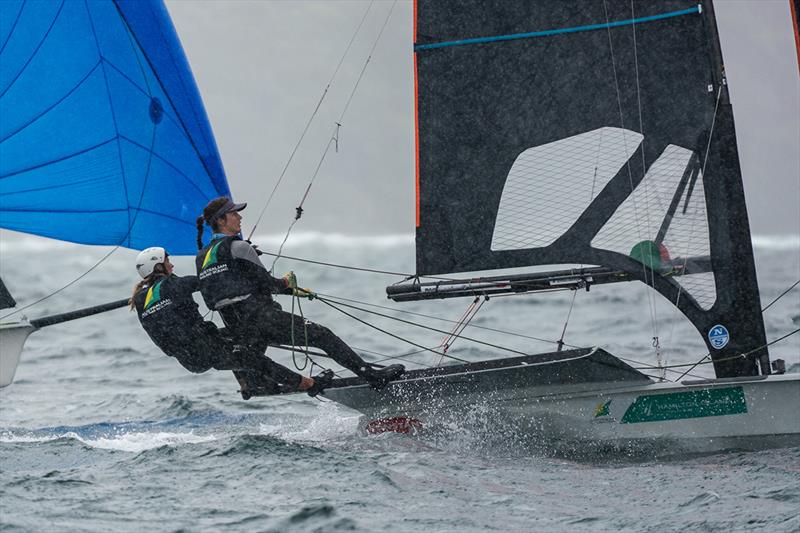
column 100, row 432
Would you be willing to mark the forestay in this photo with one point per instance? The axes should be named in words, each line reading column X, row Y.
column 587, row 132
column 103, row 137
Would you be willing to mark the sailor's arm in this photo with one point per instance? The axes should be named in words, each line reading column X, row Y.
column 244, row 252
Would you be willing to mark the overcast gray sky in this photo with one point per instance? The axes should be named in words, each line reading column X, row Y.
column 262, row 65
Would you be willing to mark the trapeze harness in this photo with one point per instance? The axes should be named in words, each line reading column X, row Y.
column 234, row 282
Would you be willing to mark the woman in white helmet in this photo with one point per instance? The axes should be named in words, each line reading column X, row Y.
column 169, row 315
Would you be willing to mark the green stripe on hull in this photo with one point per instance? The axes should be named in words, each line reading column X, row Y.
column 681, row 405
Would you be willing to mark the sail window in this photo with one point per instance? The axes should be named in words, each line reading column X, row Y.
column 549, row 186
column 668, row 207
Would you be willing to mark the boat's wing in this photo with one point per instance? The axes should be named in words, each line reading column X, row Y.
column 570, row 367
column 583, row 365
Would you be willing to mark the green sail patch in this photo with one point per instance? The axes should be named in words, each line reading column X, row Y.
column 690, row 404
column 647, row 253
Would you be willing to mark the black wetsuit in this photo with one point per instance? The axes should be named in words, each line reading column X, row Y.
column 169, row 315
column 234, row 282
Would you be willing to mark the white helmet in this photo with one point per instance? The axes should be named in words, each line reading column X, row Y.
column 147, row 260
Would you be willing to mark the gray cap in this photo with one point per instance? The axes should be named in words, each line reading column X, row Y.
column 228, row 207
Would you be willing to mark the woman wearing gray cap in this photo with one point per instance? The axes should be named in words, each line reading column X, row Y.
column 234, row 282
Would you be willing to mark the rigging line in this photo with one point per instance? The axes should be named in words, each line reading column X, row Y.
column 40, row 300
column 313, row 362
column 422, row 315
column 412, row 343
column 498, row 347
column 632, row 195
column 652, row 301
column 667, row 369
column 472, row 310
column 445, row 345
column 310, row 120
column 334, row 136
column 596, row 164
column 691, row 229
column 294, row 345
column 401, row 357
column 740, row 356
column 569, row 313
column 369, row 57
column 784, row 293
column 361, row 269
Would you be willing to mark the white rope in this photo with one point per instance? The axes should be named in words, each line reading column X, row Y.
column 691, row 228
column 650, row 300
column 333, row 141
column 632, row 196
column 310, row 120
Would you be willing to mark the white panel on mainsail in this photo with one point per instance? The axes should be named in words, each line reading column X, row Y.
column 642, row 214
column 549, row 186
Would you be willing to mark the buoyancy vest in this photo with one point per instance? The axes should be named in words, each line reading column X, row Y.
column 219, row 275
column 169, row 314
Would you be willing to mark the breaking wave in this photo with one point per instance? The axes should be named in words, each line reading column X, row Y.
column 337, row 240
column 134, row 442
column 17, row 242
column 776, row 242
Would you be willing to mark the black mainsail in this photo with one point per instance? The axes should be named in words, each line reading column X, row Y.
column 587, row 132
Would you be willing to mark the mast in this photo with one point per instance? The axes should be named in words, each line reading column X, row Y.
column 739, row 302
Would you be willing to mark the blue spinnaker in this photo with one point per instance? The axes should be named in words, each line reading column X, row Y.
column 103, row 135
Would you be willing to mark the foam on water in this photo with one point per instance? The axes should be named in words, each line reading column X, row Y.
column 337, row 240
column 330, row 422
column 125, row 442
column 777, row 242
column 12, row 242
column 92, row 394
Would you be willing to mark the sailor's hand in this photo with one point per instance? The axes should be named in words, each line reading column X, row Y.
column 255, row 247
column 305, row 383
column 291, row 280
column 304, row 293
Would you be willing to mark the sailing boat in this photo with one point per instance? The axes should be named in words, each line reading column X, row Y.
column 103, row 137
column 595, row 134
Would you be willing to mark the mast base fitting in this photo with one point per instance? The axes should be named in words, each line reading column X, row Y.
column 778, row 366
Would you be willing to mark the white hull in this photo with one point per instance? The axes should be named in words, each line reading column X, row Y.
column 12, row 338
column 695, row 416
